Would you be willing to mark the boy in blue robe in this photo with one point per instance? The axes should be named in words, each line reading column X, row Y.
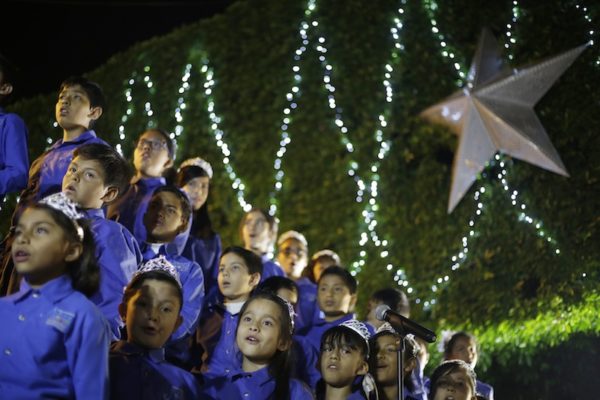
column 79, row 105
column 95, row 177
column 151, row 309
column 153, row 154
column 14, row 159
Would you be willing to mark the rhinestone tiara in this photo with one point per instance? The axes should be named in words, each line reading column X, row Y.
column 357, row 327
column 292, row 235
column 159, row 263
column 60, row 202
column 198, row 162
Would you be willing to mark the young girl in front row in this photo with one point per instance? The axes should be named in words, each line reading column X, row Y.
column 54, row 341
column 264, row 338
column 453, row 379
column 344, row 363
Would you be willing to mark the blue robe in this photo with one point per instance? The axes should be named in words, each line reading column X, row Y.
column 14, row 157
column 119, row 256
column 141, row 374
column 258, row 385
column 54, row 344
column 130, row 208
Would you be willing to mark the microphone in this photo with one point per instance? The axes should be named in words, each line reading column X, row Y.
column 402, row 324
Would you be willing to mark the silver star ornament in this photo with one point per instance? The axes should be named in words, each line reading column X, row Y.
column 494, row 113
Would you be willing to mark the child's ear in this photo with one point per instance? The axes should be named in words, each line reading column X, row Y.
column 283, row 344
column 363, row 368
column 6, row 89
column 110, row 194
column 254, row 279
column 183, row 226
column 95, row 113
column 353, row 298
column 73, row 251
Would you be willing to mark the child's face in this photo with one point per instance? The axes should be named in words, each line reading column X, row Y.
column 259, row 329
column 84, row 183
column 340, row 364
column 292, row 257
column 164, row 218
column 152, row 314
column 256, row 232
column 41, row 248
column 73, row 108
column 454, row 386
column 335, row 299
column 466, row 350
column 235, row 281
column 197, row 191
column 385, row 360
column 151, row 155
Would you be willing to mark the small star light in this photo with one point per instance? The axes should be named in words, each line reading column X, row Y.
column 494, row 112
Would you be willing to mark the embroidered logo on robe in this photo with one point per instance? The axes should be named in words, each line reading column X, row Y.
column 60, row 319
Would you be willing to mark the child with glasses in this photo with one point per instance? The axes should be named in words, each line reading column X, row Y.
column 153, row 154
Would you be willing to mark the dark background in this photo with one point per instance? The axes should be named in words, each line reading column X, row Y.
column 51, row 40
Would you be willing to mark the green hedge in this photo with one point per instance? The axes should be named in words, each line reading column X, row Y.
column 511, row 273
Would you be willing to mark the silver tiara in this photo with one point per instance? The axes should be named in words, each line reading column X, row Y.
column 357, row 327
column 387, row 328
column 292, row 235
column 60, row 202
column 291, row 311
column 327, row 253
column 198, row 162
column 160, row 263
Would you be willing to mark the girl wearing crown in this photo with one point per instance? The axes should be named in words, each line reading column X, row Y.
column 54, row 340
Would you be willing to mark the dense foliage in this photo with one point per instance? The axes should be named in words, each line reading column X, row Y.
column 524, row 301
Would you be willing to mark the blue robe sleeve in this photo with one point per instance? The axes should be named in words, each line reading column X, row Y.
column 14, row 160
column 87, row 355
column 118, row 255
column 193, row 298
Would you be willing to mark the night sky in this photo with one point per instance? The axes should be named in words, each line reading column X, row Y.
column 51, row 40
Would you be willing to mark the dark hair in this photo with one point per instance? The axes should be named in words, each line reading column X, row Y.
column 92, row 90
column 280, row 366
column 338, row 336
column 138, row 279
column 271, row 220
column 84, row 272
column 186, row 208
column 344, row 274
column 449, row 344
column 273, row 283
column 252, row 261
column 9, row 74
column 171, row 148
column 396, row 299
column 411, row 349
column 201, row 224
column 116, row 169
column 448, row 367
column 309, row 271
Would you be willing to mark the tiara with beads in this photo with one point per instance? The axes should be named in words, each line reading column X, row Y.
column 198, row 162
column 291, row 311
column 160, row 263
column 359, row 328
column 292, row 235
column 327, row 253
column 60, row 202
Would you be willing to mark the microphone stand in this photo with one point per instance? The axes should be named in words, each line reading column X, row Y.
column 400, row 362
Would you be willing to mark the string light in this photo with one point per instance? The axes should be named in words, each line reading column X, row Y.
column 447, row 51
column 591, row 32
column 219, row 136
column 510, row 28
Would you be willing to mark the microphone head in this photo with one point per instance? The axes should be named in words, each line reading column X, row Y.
column 380, row 311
